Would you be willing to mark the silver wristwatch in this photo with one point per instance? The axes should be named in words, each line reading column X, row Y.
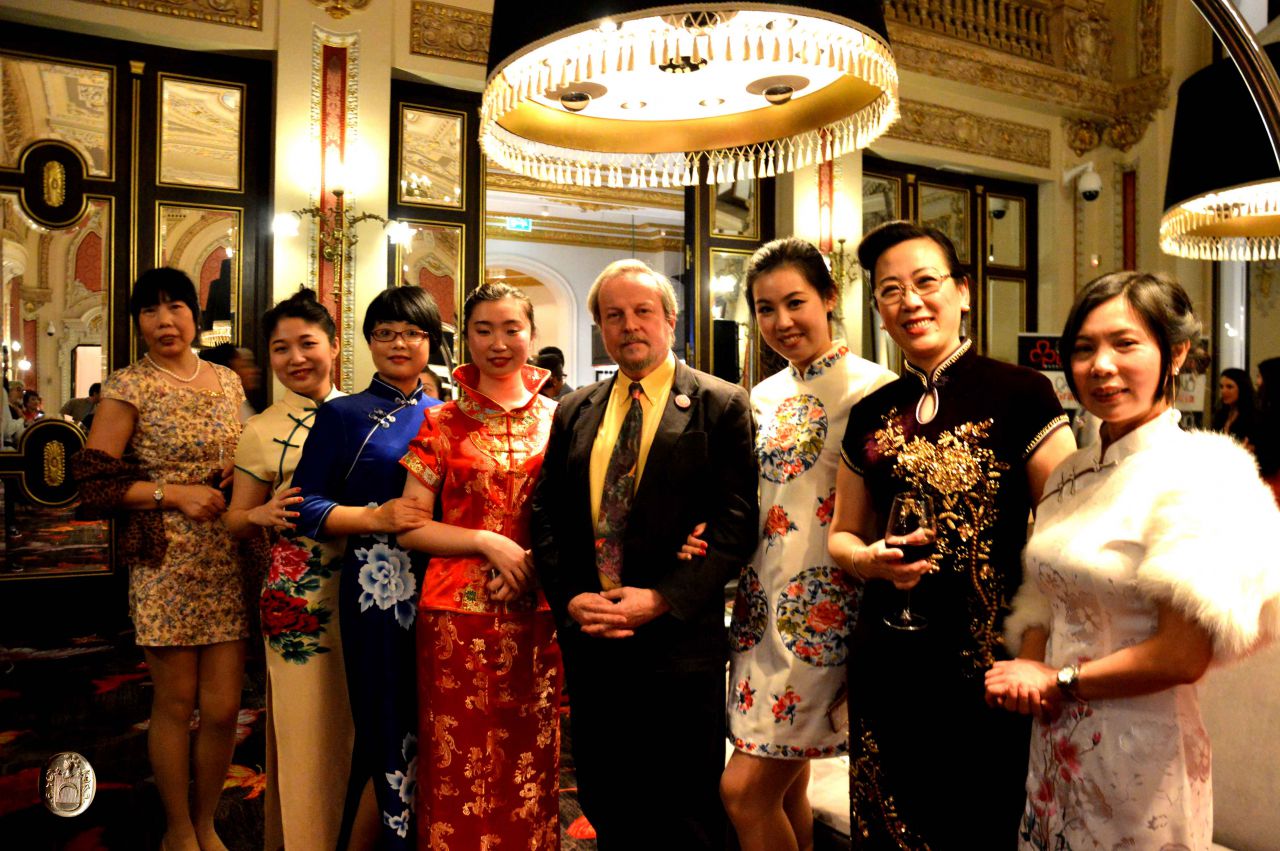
column 158, row 495
column 1068, row 680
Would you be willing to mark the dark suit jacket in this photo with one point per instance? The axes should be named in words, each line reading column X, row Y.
column 701, row 467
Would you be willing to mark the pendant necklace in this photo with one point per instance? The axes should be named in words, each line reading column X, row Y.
column 171, row 373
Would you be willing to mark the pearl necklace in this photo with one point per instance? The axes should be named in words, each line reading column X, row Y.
column 171, row 373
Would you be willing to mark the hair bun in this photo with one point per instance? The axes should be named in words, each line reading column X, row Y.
column 304, row 293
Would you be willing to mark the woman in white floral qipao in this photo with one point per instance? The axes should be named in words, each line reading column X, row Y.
column 1141, row 574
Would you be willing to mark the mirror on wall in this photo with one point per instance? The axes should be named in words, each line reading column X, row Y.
column 53, row 323
column 204, row 242
column 947, row 209
column 201, row 134
column 57, row 100
column 431, row 157
column 731, row 328
column 1006, row 239
column 737, row 210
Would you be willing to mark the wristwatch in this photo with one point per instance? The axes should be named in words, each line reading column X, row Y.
column 1069, row 680
column 158, row 495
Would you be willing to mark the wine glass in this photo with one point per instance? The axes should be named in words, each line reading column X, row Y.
column 911, row 512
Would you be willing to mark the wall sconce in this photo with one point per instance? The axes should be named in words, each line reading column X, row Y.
column 844, row 273
column 336, row 230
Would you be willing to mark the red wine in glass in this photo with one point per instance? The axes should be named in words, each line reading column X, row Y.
column 910, row 516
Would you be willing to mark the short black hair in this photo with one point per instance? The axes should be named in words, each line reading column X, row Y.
column 497, row 292
column 95, row 388
column 797, row 254
column 551, row 362
column 887, row 235
column 164, row 284
column 410, row 304
column 552, row 350
column 301, row 305
column 1157, row 300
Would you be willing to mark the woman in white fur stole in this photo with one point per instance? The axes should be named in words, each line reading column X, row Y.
column 1153, row 557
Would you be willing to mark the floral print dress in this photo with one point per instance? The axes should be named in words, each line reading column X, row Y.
column 794, row 608
column 1117, row 531
column 309, row 728
column 489, row 673
column 193, row 595
column 351, row 458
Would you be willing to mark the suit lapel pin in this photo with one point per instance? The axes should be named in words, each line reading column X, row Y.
column 682, row 401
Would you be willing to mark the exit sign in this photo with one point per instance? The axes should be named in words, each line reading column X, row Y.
column 520, row 224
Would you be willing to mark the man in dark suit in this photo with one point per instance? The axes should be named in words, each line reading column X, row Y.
column 633, row 464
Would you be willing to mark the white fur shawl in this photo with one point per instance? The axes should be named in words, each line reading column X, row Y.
column 1205, row 526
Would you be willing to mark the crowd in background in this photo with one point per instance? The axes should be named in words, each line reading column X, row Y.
column 430, row 575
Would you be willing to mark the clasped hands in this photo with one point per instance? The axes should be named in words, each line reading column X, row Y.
column 617, row 612
column 1024, row 686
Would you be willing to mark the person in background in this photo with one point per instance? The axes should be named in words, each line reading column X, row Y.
column 1235, row 412
column 11, row 420
column 82, row 406
column 786, row 663
column 32, row 407
column 1138, row 587
column 554, row 365
column 240, row 361
column 309, row 728
column 175, row 416
column 488, row 664
column 1264, row 438
column 565, row 387
column 633, row 464
column 432, row 385
column 931, row 764
column 351, row 482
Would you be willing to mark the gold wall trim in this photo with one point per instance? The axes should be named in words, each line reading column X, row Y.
column 588, row 234
column 930, row 124
column 235, row 13
column 612, row 198
column 449, row 32
column 946, row 58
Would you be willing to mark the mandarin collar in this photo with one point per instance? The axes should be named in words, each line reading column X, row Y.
column 838, row 349
column 939, row 376
column 468, row 378
column 384, row 390
column 1143, row 437
column 303, row 404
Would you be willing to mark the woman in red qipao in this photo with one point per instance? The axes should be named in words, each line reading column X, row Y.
column 489, row 672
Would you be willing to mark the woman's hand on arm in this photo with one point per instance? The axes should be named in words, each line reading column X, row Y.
column 511, row 561
column 253, row 506
column 1179, row 652
column 851, row 526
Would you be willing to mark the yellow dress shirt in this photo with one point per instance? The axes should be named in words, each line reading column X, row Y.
column 657, row 387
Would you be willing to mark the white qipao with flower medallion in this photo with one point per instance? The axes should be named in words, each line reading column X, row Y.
column 794, row 607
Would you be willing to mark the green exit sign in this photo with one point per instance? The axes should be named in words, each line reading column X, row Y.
column 520, row 224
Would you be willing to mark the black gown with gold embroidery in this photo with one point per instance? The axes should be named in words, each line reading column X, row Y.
column 931, row 766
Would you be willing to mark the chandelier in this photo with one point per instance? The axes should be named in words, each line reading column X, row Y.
column 631, row 95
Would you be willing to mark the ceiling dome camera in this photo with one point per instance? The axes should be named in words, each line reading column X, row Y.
column 1089, row 186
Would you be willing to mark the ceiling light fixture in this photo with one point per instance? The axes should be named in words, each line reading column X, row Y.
column 742, row 92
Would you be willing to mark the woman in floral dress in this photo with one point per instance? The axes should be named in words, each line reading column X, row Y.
column 179, row 418
column 794, row 608
column 931, row 764
column 309, row 730
column 350, row 482
column 489, row 671
column 1142, row 574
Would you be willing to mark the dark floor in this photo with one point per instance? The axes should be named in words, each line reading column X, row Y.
column 91, row 695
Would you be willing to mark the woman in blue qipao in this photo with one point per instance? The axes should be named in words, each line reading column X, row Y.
column 351, row 480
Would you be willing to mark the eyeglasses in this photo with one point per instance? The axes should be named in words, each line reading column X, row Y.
column 412, row 336
column 894, row 293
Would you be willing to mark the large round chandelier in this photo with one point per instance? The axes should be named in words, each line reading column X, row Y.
column 619, row 94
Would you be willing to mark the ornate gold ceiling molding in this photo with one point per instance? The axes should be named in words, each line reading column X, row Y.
column 608, row 198
column 449, row 32
column 931, row 124
column 235, row 13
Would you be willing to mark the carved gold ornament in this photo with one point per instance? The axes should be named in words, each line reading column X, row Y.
column 55, row 184
column 236, row 13
column 55, row 464
column 339, row 9
column 449, row 32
